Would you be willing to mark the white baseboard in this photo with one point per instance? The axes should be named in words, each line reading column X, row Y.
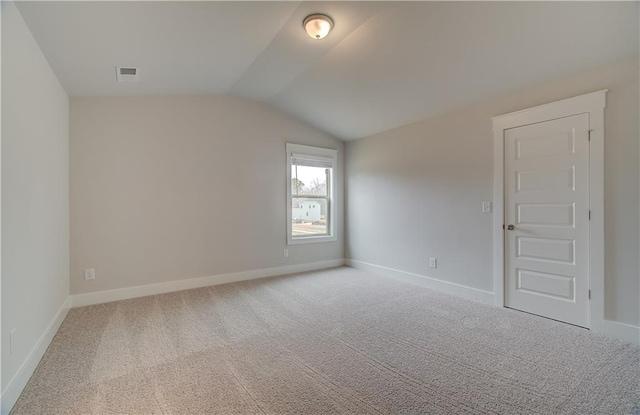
column 13, row 390
column 620, row 331
column 98, row 297
column 434, row 284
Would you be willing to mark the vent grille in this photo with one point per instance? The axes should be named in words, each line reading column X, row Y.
column 126, row 74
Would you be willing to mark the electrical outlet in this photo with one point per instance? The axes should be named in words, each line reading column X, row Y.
column 433, row 262
column 90, row 274
column 285, row 253
column 11, row 340
column 486, row 207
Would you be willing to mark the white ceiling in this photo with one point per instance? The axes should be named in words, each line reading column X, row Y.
column 385, row 64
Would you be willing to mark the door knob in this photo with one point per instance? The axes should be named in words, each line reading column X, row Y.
column 511, row 227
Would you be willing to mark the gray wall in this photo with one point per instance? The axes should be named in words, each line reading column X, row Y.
column 35, row 192
column 415, row 192
column 169, row 188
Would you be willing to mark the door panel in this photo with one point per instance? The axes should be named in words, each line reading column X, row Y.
column 545, row 249
column 545, row 179
column 547, row 201
column 559, row 286
column 545, row 214
column 541, row 147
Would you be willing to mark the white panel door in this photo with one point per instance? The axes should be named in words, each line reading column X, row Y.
column 547, row 218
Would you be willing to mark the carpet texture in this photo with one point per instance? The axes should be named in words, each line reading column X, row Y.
column 336, row 341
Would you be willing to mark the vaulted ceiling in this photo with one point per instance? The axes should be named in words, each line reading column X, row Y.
column 385, row 64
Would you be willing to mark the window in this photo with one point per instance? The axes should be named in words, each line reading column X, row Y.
column 310, row 194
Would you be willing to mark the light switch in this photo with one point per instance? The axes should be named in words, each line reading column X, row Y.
column 486, row 207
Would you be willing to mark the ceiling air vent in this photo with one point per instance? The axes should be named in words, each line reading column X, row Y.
column 127, row 74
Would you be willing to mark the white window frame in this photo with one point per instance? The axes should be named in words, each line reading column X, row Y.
column 329, row 155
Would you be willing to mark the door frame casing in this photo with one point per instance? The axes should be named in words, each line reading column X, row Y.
column 593, row 104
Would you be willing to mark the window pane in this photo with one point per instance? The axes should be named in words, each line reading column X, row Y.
column 307, row 180
column 309, row 217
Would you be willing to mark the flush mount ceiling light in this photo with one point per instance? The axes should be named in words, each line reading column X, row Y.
column 317, row 26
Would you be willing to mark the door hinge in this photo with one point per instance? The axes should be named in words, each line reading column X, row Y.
column 589, row 214
column 589, row 139
column 589, row 294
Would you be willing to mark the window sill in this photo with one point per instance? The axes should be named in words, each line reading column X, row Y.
column 311, row 240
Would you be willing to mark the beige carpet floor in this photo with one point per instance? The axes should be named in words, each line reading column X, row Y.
column 337, row 341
